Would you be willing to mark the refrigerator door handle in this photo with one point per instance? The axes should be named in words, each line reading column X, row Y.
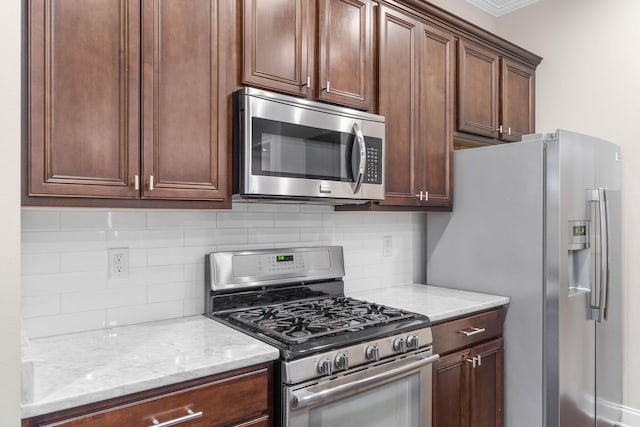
column 604, row 254
column 600, row 196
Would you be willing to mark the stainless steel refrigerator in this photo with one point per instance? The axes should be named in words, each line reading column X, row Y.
column 539, row 222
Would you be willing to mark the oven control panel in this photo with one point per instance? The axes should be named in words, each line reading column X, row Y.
column 258, row 268
column 280, row 263
column 342, row 359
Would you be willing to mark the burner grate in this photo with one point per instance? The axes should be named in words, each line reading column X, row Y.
column 296, row 322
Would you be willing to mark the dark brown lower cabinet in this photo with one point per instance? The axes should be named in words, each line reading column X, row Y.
column 240, row 398
column 467, row 381
column 467, row 387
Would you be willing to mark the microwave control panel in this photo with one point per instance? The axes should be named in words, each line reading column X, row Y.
column 373, row 172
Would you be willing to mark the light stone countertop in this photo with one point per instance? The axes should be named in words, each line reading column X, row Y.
column 437, row 303
column 76, row 369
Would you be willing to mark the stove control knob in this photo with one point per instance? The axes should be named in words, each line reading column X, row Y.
column 400, row 345
column 324, row 366
column 373, row 353
column 412, row 342
column 342, row 361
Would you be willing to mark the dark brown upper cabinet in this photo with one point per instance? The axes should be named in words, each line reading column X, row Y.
column 84, row 93
column 95, row 69
column 495, row 94
column 279, row 49
column 183, row 100
column 416, row 83
column 518, row 100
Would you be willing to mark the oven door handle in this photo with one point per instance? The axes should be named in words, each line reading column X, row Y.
column 302, row 398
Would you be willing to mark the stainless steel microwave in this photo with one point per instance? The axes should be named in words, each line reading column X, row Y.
column 291, row 149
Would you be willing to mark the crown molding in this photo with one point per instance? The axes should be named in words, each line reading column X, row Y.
column 501, row 7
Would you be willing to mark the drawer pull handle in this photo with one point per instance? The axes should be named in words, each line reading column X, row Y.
column 190, row 416
column 473, row 332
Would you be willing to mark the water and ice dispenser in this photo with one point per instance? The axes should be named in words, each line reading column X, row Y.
column 579, row 257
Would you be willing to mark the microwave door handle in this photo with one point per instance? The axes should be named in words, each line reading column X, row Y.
column 362, row 163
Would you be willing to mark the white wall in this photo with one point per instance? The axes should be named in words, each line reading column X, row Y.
column 66, row 286
column 589, row 82
column 468, row 12
column 10, row 207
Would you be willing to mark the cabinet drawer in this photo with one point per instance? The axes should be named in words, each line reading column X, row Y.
column 232, row 399
column 461, row 333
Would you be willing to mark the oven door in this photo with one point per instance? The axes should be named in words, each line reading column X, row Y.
column 396, row 393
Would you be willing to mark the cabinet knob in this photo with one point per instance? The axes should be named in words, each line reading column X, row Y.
column 424, row 195
column 151, row 183
column 136, row 182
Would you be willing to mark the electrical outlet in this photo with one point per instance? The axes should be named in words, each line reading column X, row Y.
column 118, row 262
column 387, row 246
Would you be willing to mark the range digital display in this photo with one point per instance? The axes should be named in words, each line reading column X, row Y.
column 579, row 230
column 284, row 258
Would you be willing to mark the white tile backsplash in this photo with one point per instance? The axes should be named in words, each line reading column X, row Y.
column 83, row 219
column 40, row 305
column 102, row 299
column 62, row 241
column 63, row 323
column 61, row 283
column 144, row 313
column 39, row 263
column 83, row 261
column 187, row 219
column 65, row 284
column 40, row 220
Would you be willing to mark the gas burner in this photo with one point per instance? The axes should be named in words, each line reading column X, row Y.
column 299, row 321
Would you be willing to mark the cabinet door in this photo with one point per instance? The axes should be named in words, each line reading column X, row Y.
column 437, row 77
column 518, row 94
column 83, row 98
column 451, row 390
column 486, row 385
column 183, row 98
column 275, row 44
column 478, row 90
column 345, row 52
column 399, row 94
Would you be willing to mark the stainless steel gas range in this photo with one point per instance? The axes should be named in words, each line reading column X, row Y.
column 343, row 362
